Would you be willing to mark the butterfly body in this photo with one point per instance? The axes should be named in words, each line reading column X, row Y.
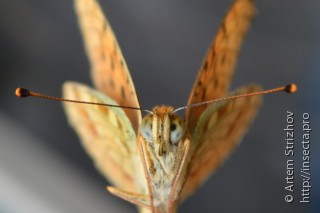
column 159, row 160
column 162, row 135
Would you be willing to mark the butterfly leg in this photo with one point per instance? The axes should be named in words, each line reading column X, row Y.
column 177, row 179
column 144, row 163
column 137, row 199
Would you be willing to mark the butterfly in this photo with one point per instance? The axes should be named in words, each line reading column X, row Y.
column 157, row 161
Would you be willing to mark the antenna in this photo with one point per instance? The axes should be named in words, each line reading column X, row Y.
column 23, row 93
column 290, row 88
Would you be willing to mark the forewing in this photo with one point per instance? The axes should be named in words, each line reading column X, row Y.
column 217, row 69
column 106, row 134
column 218, row 132
column 109, row 70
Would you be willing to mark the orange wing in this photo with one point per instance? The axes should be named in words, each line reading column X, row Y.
column 218, row 132
column 109, row 70
column 216, row 129
column 214, row 77
column 107, row 136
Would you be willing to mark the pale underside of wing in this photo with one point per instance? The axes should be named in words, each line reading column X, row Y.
column 217, row 69
column 108, row 67
column 107, row 136
column 217, row 134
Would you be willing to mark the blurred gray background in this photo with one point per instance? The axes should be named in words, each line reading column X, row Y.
column 43, row 167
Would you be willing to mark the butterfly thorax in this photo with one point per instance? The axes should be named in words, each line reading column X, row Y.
column 162, row 134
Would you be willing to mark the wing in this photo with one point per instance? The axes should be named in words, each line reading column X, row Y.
column 217, row 69
column 107, row 136
column 217, row 134
column 109, row 70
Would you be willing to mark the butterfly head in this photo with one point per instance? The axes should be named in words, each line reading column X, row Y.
column 162, row 128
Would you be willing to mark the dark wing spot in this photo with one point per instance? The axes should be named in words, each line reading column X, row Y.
column 123, row 92
column 195, row 94
column 216, row 83
column 223, row 59
column 205, row 66
column 119, row 124
column 115, row 47
column 112, row 64
column 223, row 28
column 111, row 82
column 204, row 94
column 104, row 26
column 103, row 56
column 122, row 62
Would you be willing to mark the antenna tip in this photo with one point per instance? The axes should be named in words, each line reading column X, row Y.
column 22, row 93
column 291, row 88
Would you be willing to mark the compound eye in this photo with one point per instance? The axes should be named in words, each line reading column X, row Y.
column 177, row 130
column 146, row 128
